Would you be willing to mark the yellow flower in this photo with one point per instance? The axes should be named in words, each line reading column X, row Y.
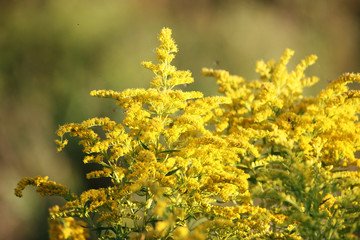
column 43, row 186
column 161, row 227
column 259, row 162
column 181, row 233
column 68, row 228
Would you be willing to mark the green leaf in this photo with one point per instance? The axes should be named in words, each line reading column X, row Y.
column 172, row 172
column 167, row 122
column 144, row 146
column 104, row 164
column 242, row 166
column 170, row 151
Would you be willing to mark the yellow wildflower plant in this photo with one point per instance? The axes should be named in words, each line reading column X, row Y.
column 261, row 162
column 299, row 152
column 162, row 152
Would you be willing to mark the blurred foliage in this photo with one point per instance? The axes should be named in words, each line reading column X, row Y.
column 53, row 53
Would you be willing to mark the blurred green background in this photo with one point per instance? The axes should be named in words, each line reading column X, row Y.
column 53, row 53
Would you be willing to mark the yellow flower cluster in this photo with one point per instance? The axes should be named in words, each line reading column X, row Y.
column 299, row 152
column 261, row 162
column 67, row 228
column 43, row 186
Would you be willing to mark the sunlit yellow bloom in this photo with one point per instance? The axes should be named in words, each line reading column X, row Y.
column 68, row 228
column 260, row 162
column 43, row 186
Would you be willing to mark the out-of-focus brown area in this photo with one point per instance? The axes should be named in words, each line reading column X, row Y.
column 53, row 53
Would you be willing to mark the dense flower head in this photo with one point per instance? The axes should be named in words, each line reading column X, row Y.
column 67, row 228
column 43, row 186
column 260, row 162
column 299, row 152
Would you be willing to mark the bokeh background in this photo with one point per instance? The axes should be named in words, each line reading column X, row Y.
column 53, row 53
